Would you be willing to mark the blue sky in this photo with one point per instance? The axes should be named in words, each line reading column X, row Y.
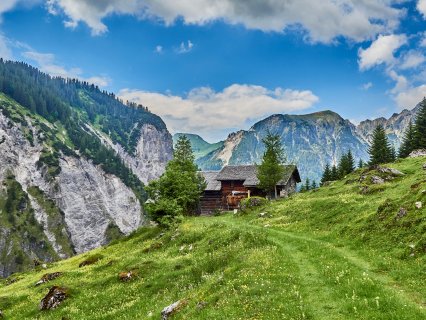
column 213, row 67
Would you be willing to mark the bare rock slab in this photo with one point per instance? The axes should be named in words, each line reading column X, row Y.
column 48, row 277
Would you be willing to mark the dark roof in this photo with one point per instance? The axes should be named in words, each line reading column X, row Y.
column 248, row 174
column 212, row 183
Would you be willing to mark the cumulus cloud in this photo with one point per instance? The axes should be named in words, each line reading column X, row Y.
column 381, row 51
column 421, row 6
column 46, row 63
column 207, row 112
column 412, row 59
column 409, row 98
column 322, row 20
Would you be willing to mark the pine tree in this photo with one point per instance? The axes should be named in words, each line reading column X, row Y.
column 350, row 162
column 380, row 150
column 314, row 185
column 271, row 170
column 334, row 173
column 360, row 164
column 326, row 176
column 408, row 142
column 420, row 127
column 307, row 184
column 346, row 164
column 180, row 186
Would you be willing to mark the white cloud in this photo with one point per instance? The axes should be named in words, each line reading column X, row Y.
column 381, row 51
column 185, row 47
column 322, row 20
column 367, row 85
column 46, row 63
column 421, row 6
column 158, row 49
column 208, row 112
column 401, row 82
column 412, row 59
column 5, row 51
column 409, row 98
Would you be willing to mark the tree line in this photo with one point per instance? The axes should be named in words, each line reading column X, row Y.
column 381, row 151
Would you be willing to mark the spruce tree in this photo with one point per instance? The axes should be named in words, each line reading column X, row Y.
column 360, row 164
column 271, row 170
column 307, row 184
column 408, row 142
column 314, row 185
column 420, row 127
column 326, row 176
column 334, row 173
column 380, row 150
column 350, row 162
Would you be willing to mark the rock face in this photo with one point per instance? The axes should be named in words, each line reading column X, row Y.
column 90, row 201
column 310, row 141
column 153, row 151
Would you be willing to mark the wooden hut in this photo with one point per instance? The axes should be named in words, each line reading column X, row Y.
column 234, row 183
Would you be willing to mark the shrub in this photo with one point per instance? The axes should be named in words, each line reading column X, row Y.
column 165, row 211
column 252, row 202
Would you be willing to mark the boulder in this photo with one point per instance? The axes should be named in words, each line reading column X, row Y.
column 53, row 298
column 377, row 180
column 418, row 153
column 169, row 310
column 419, row 205
column 424, row 166
column 391, row 171
column 401, row 213
column 48, row 277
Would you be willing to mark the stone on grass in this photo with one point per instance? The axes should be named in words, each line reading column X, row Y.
column 53, row 298
column 418, row 153
column 391, row 171
column 419, row 205
column 201, row 305
column 377, row 180
column 1, row 314
column 401, row 213
column 127, row 275
column 262, row 215
column 48, row 277
column 170, row 310
column 424, row 166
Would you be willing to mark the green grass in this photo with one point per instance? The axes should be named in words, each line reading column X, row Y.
column 336, row 253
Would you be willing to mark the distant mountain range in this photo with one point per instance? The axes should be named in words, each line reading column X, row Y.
column 310, row 140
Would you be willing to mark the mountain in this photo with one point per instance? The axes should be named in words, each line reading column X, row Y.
column 200, row 147
column 351, row 250
column 310, row 140
column 74, row 161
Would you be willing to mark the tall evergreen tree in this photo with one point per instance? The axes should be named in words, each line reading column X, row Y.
column 360, row 164
column 314, row 185
column 307, row 184
column 334, row 173
column 420, row 127
column 326, row 176
column 408, row 142
column 380, row 150
column 180, row 186
column 271, row 170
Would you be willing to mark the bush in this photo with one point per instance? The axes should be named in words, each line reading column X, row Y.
column 252, row 202
column 165, row 211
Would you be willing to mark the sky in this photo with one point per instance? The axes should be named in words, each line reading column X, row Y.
column 214, row 67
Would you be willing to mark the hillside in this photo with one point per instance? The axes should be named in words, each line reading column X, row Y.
column 74, row 160
column 350, row 250
column 310, row 140
column 200, row 147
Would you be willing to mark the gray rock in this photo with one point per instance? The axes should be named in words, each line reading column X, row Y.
column 1, row 314
column 377, row 180
column 418, row 153
column 391, row 171
column 169, row 310
column 424, row 166
column 401, row 213
column 419, row 205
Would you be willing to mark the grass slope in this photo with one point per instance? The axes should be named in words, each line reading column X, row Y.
column 336, row 253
